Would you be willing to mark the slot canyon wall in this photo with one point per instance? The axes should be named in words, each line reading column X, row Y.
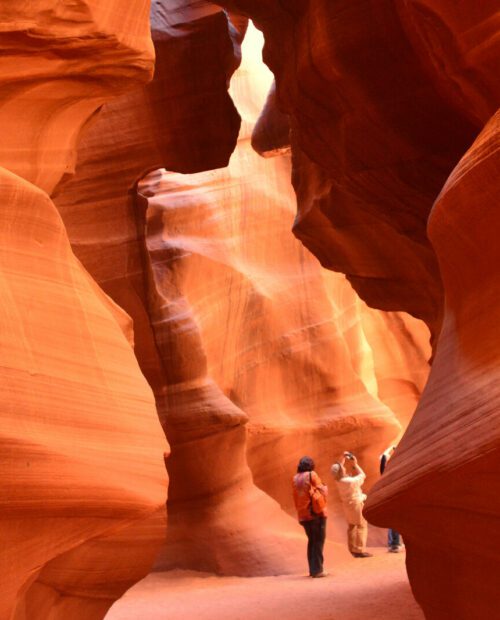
column 214, row 496
column 83, row 476
column 384, row 99
column 188, row 291
column 290, row 343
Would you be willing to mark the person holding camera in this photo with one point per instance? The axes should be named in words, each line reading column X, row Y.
column 353, row 499
column 309, row 495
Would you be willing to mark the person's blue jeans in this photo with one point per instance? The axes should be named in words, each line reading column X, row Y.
column 393, row 538
column 316, row 533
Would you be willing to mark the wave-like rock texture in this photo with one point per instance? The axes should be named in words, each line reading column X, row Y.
column 83, row 475
column 383, row 98
column 213, row 502
column 270, row 332
column 184, row 120
column 442, row 488
column 60, row 61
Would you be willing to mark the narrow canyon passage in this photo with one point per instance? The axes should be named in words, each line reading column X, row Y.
column 359, row 590
column 295, row 348
column 234, row 233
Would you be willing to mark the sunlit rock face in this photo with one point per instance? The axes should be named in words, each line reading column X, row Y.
column 60, row 61
column 384, row 98
column 183, row 119
column 214, row 502
column 186, row 122
column 82, row 449
column 270, row 333
column 442, row 487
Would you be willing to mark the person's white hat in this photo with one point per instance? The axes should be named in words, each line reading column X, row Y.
column 336, row 469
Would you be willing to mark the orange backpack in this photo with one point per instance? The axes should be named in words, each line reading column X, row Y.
column 318, row 500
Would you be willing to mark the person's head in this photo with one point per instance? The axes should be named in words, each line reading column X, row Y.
column 338, row 471
column 305, row 464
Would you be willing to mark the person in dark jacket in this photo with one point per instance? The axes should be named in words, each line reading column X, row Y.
column 304, row 482
column 393, row 538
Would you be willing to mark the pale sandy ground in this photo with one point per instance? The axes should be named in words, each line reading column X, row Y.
column 365, row 589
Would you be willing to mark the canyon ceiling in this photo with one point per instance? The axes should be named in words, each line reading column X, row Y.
column 153, row 289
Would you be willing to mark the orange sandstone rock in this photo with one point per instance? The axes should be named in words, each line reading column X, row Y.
column 442, row 487
column 157, row 128
column 213, row 503
column 270, row 333
column 82, row 446
column 82, row 449
column 60, row 61
column 383, row 100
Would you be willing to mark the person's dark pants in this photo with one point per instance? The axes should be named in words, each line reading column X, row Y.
column 316, row 533
column 393, row 538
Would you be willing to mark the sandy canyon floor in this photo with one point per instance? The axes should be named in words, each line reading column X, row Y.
column 369, row 589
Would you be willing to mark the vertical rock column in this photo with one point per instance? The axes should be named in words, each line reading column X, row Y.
column 250, row 324
column 442, row 488
column 82, row 449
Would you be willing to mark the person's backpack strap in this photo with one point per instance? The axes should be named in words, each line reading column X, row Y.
column 311, row 491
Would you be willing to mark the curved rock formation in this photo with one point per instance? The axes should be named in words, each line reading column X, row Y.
column 442, row 487
column 82, row 449
column 154, row 125
column 377, row 128
column 268, row 330
column 384, row 98
column 60, row 61
column 199, row 408
column 156, row 128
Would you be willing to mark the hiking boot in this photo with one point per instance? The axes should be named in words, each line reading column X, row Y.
column 363, row 554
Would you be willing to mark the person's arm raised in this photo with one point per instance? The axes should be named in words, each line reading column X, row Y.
column 357, row 469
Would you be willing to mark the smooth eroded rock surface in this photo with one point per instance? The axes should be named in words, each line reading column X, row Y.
column 383, row 99
column 82, row 454
column 249, row 324
column 441, row 489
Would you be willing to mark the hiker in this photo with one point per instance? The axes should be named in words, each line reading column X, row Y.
column 353, row 499
column 394, row 543
column 309, row 494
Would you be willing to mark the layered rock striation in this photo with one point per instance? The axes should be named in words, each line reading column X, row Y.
column 137, row 260
column 384, row 99
column 255, row 354
column 82, row 449
column 270, row 332
column 381, row 106
column 106, row 226
column 442, row 487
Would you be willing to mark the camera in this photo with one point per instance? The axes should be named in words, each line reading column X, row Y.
column 349, row 455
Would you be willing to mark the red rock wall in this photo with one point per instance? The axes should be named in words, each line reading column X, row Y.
column 198, row 406
column 248, row 321
column 156, row 128
column 82, row 450
column 442, row 487
column 384, row 99
column 377, row 126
